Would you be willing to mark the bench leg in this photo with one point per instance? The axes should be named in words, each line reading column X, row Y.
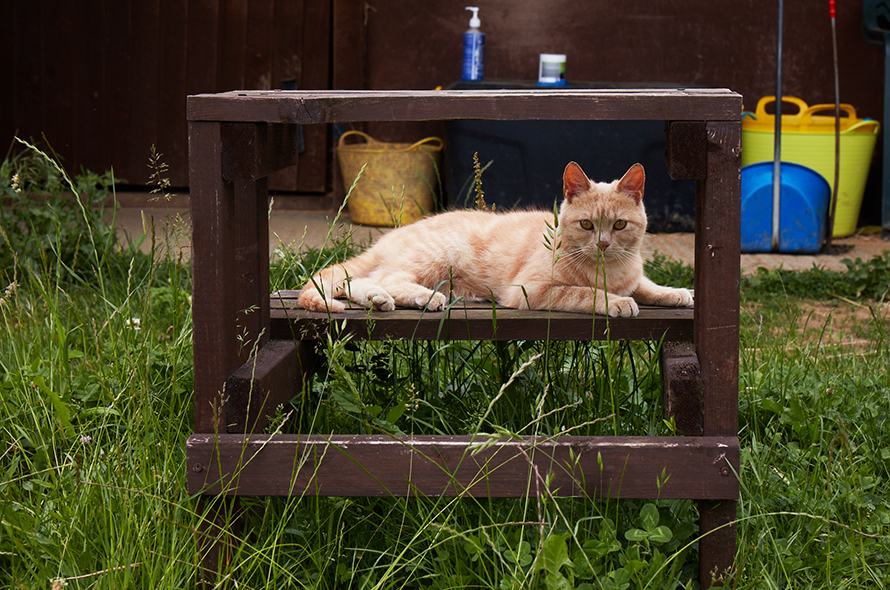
column 717, row 275
column 718, row 545
column 230, row 303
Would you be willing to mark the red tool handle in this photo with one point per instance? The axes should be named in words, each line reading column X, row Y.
column 832, row 8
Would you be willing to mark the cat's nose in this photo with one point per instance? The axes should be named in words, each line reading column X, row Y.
column 603, row 244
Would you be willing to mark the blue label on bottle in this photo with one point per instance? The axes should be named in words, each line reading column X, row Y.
column 474, row 45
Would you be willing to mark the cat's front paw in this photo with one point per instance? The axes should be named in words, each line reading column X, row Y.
column 380, row 300
column 623, row 307
column 677, row 298
column 436, row 302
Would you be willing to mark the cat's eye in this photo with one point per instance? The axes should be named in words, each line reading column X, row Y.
column 586, row 224
column 620, row 224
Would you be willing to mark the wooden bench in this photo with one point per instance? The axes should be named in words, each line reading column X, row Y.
column 237, row 138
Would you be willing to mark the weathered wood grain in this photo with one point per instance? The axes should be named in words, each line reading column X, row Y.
column 717, row 272
column 213, row 270
column 255, row 151
column 686, row 150
column 381, row 465
column 279, row 106
column 267, row 379
column 682, row 387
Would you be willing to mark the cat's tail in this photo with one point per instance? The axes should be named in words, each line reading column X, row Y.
column 320, row 293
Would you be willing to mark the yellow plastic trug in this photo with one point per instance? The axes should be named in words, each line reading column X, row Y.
column 808, row 139
column 398, row 184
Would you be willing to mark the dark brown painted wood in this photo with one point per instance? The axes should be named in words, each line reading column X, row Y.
column 348, row 44
column 214, row 337
column 381, row 465
column 8, row 65
column 682, row 387
column 144, row 73
column 250, row 266
column 172, row 136
column 426, row 105
column 26, row 75
column 270, row 377
column 477, row 322
column 117, row 92
column 255, row 151
column 259, row 45
column 315, row 168
column 233, row 40
column 717, row 548
column 286, row 65
column 717, row 271
column 686, row 150
column 57, row 74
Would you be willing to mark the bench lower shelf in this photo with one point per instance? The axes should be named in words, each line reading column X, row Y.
column 477, row 466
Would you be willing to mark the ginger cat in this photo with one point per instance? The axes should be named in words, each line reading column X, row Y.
column 590, row 262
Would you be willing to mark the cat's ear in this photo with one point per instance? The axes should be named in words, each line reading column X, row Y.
column 574, row 181
column 633, row 181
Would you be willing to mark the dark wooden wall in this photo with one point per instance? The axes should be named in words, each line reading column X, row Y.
column 106, row 79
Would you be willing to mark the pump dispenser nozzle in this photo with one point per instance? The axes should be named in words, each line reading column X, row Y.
column 475, row 23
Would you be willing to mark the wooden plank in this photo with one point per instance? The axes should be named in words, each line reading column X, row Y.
column 7, row 64
column 381, row 465
column 315, row 75
column 144, row 39
column 172, row 140
column 59, row 37
column 215, row 341
column 117, row 87
column 348, row 45
column 477, row 322
column 256, row 150
column 258, row 48
column 88, row 70
column 203, row 44
column 286, row 65
column 26, row 72
column 682, row 387
column 426, row 105
column 270, row 377
column 233, row 43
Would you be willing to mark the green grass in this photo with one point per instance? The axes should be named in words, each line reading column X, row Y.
column 95, row 408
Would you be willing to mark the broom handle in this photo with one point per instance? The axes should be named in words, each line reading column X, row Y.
column 777, row 157
column 832, row 12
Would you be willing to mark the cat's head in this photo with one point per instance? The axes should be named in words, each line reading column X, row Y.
column 603, row 219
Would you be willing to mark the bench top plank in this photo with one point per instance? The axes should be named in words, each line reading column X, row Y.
column 477, row 321
column 288, row 106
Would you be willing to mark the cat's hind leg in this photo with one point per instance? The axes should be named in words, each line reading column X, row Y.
column 408, row 293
